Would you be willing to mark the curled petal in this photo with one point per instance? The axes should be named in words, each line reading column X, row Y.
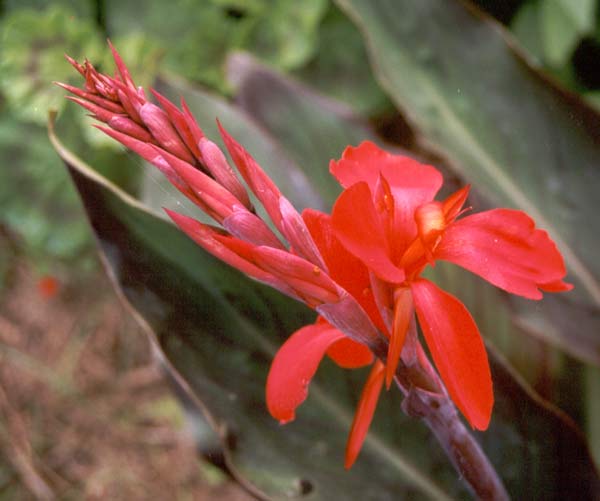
column 294, row 366
column 364, row 413
column 358, row 227
column 504, row 247
column 457, row 350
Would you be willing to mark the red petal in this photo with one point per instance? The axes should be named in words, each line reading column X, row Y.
column 349, row 354
column 157, row 121
column 364, row 413
column 453, row 204
column 403, row 312
column 503, row 246
column 367, row 161
column 217, row 164
column 345, row 269
column 121, row 66
column 457, row 350
column 230, row 250
column 412, row 183
column 294, row 366
column 358, row 227
column 261, row 185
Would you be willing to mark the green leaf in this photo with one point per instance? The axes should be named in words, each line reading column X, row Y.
column 521, row 142
column 526, row 27
column 563, row 23
column 341, row 57
column 219, row 330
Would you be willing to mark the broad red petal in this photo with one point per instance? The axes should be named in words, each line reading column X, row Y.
column 358, row 227
column 367, row 161
column 457, row 350
column 364, row 413
column 412, row 183
column 504, row 247
column 349, row 354
column 345, row 269
column 294, row 366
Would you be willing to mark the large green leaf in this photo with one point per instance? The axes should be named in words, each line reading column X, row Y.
column 522, row 143
column 219, row 331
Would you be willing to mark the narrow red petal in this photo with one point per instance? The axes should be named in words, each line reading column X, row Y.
column 364, row 413
column 403, row 311
column 297, row 234
column 157, row 121
column 349, row 354
column 294, row 366
column 261, row 185
column 504, row 247
column 122, row 67
column 178, row 119
column 358, row 227
column 453, row 204
column 94, row 98
column 457, row 350
column 307, row 278
column 215, row 161
column 193, row 126
column 234, row 252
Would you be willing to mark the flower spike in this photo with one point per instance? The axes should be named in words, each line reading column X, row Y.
column 359, row 268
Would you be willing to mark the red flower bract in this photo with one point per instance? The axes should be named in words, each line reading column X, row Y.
column 359, row 268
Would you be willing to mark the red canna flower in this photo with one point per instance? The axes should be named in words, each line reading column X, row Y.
column 359, row 268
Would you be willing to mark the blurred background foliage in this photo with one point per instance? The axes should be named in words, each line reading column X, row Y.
column 312, row 41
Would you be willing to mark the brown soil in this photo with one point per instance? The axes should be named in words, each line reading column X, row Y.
column 84, row 413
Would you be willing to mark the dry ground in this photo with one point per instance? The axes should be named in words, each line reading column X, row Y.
column 84, row 414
